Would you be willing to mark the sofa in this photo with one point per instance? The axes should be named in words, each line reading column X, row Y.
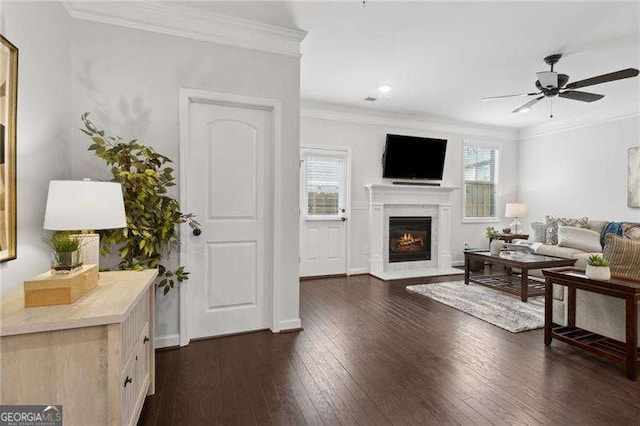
column 595, row 312
column 569, row 252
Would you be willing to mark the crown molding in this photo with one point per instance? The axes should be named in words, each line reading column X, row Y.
column 182, row 21
column 420, row 122
column 572, row 123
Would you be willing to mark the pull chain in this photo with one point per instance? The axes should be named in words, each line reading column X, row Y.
column 551, row 115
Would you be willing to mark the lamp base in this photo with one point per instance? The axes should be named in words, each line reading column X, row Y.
column 515, row 226
column 90, row 250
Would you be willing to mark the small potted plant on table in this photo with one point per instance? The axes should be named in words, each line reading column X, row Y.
column 598, row 268
column 65, row 253
column 495, row 244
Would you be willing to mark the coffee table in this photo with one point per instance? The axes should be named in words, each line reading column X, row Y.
column 504, row 279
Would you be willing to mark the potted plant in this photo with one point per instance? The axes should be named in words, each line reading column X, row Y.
column 495, row 244
column 65, row 252
column 491, row 232
column 598, row 268
column 153, row 214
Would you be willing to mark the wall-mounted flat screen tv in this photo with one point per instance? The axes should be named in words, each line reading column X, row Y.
column 410, row 157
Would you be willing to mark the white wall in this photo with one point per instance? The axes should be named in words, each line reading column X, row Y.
column 579, row 172
column 41, row 31
column 367, row 144
column 130, row 81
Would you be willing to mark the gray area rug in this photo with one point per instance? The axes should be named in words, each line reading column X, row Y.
column 497, row 308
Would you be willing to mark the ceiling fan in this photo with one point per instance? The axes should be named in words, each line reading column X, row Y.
column 551, row 83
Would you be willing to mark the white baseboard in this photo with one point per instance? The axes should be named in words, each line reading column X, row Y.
column 291, row 324
column 457, row 263
column 358, row 271
column 167, row 341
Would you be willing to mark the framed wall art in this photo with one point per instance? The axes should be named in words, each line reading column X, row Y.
column 634, row 177
column 8, row 109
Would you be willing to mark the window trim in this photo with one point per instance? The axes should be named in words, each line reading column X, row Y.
column 498, row 211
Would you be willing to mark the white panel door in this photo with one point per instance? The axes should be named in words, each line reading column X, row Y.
column 229, row 192
column 323, row 211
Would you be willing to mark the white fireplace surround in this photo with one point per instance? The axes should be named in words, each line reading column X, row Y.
column 386, row 201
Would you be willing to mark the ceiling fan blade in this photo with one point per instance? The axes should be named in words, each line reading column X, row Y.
column 604, row 78
column 581, row 96
column 493, row 98
column 526, row 107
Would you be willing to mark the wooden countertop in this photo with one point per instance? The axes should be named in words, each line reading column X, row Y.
column 109, row 302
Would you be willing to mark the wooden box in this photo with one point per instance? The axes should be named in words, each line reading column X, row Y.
column 47, row 289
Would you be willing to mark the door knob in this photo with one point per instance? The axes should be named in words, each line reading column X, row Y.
column 343, row 219
column 342, row 210
column 197, row 232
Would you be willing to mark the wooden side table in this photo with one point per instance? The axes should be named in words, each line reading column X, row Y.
column 621, row 287
column 508, row 238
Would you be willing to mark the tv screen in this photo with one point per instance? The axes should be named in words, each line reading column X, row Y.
column 410, row 157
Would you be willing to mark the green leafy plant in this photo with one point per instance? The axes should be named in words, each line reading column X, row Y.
column 491, row 232
column 597, row 260
column 62, row 242
column 153, row 216
column 64, row 250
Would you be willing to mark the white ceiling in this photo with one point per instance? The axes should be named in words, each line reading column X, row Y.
column 441, row 57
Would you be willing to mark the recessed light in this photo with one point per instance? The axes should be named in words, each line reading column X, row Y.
column 384, row 88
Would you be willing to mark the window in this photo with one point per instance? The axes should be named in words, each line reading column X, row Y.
column 324, row 176
column 480, row 182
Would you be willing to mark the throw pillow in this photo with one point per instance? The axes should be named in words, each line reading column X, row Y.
column 579, row 239
column 539, row 232
column 624, row 255
column 631, row 231
column 554, row 222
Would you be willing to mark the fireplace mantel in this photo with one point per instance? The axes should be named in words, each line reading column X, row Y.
column 412, row 194
column 413, row 200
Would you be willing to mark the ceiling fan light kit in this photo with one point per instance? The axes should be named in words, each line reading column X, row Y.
column 551, row 83
column 548, row 79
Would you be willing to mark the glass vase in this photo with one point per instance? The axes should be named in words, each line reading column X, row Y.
column 65, row 262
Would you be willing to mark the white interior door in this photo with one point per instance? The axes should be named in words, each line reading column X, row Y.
column 324, row 211
column 230, row 192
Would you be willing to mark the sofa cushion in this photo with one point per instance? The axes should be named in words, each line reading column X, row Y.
column 579, row 238
column 554, row 222
column 558, row 292
column 539, row 232
column 624, row 255
column 557, row 251
column 631, row 231
column 597, row 225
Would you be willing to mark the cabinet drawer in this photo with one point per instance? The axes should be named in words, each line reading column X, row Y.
column 133, row 325
column 135, row 378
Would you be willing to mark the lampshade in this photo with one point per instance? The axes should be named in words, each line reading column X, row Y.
column 84, row 205
column 515, row 210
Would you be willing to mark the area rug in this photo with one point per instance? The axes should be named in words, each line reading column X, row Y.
column 492, row 306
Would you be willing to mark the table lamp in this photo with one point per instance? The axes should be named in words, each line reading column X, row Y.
column 515, row 210
column 85, row 206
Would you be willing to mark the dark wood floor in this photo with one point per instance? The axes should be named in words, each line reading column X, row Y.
column 374, row 353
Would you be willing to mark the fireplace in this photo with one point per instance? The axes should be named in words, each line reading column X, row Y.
column 409, row 239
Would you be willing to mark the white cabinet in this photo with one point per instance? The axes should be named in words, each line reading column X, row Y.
column 94, row 357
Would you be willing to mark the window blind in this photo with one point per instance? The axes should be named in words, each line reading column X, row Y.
column 323, row 183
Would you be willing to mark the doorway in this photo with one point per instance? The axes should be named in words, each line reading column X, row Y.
column 324, row 210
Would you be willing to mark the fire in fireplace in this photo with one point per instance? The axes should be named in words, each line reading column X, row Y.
column 409, row 239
